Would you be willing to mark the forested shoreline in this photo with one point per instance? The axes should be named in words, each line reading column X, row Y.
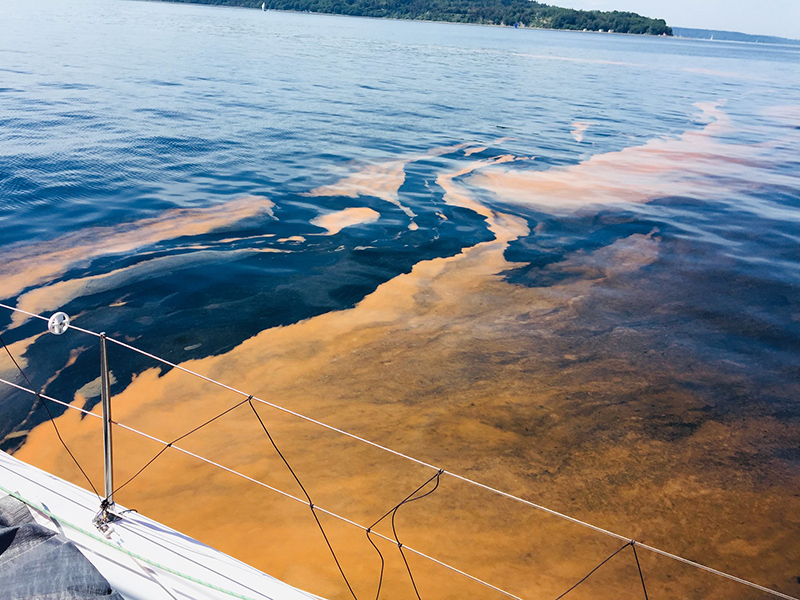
column 524, row 13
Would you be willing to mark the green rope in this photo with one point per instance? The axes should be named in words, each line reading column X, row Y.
column 98, row 538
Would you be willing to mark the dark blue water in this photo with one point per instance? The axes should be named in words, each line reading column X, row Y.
column 132, row 120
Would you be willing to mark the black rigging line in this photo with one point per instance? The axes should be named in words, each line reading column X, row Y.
column 50, row 415
column 632, row 544
column 175, row 441
column 595, row 569
column 383, row 563
column 638, row 566
column 308, row 498
column 407, row 500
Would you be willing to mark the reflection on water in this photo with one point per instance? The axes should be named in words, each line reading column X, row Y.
column 571, row 273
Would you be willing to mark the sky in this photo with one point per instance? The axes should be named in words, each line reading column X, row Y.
column 763, row 17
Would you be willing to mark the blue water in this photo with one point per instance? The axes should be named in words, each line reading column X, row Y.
column 113, row 113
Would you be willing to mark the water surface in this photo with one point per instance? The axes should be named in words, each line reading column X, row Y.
column 563, row 263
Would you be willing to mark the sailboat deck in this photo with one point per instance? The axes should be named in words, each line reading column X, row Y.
column 141, row 558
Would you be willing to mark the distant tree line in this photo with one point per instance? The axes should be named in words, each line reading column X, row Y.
column 733, row 36
column 526, row 13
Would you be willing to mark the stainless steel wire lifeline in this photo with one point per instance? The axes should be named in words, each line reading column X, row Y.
column 60, row 322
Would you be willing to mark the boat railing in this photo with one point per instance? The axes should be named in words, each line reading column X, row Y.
column 59, row 323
